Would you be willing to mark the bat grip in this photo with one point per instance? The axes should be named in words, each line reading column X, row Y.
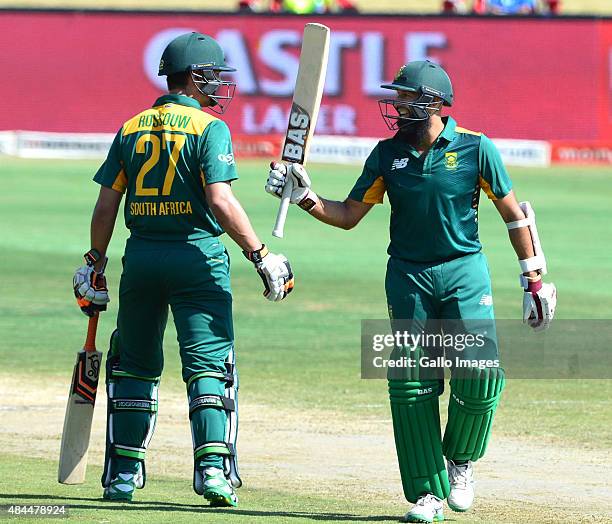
column 92, row 328
column 279, row 226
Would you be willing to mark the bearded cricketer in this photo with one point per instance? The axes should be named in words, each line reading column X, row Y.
column 433, row 171
column 175, row 165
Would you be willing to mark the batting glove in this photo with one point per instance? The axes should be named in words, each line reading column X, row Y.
column 539, row 303
column 301, row 193
column 90, row 286
column 275, row 272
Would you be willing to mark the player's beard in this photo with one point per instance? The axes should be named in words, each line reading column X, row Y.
column 415, row 133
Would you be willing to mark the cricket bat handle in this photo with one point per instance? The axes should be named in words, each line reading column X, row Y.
column 279, row 226
column 92, row 328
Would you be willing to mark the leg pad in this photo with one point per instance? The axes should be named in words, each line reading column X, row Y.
column 131, row 417
column 416, row 426
column 213, row 413
column 475, row 394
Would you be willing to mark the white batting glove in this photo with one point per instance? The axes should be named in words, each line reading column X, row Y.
column 275, row 272
column 539, row 303
column 89, row 286
column 90, row 290
column 301, row 193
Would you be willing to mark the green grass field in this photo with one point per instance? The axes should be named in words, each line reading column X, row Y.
column 301, row 356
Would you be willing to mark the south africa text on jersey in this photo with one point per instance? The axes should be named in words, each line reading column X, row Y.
column 161, row 208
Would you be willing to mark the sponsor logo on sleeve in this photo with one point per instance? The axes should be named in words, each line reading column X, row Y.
column 228, row 159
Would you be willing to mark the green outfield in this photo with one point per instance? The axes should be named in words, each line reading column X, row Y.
column 299, row 358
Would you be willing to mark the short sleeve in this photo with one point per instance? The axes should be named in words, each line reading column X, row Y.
column 217, row 162
column 370, row 186
column 111, row 173
column 494, row 179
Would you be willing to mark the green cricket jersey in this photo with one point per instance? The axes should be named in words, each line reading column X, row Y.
column 434, row 197
column 161, row 159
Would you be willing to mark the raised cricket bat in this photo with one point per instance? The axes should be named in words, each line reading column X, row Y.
column 304, row 108
column 80, row 409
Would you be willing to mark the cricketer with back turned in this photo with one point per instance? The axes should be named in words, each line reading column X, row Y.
column 433, row 171
column 175, row 165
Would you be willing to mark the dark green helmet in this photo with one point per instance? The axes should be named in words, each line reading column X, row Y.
column 202, row 57
column 423, row 77
column 192, row 51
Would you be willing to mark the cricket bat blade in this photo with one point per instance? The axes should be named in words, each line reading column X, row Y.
column 80, row 410
column 304, row 108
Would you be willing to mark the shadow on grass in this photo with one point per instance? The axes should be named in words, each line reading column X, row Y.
column 140, row 505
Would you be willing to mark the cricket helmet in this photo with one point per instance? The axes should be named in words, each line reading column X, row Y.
column 192, row 51
column 421, row 77
column 424, row 78
column 202, row 57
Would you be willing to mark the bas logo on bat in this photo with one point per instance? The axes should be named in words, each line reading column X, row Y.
column 299, row 125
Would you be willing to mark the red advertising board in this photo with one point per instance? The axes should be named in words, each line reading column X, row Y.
column 581, row 152
column 513, row 78
column 605, row 81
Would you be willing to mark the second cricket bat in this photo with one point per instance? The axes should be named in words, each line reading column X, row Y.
column 304, row 108
column 80, row 409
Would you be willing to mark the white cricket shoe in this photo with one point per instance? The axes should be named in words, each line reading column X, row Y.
column 428, row 508
column 461, row 478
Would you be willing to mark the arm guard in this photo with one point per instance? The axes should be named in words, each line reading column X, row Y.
column 538, row 261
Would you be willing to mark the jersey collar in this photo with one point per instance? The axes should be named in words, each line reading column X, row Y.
column 177, row 99
column 448, row 133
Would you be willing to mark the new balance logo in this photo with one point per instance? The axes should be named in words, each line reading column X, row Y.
column 399, row 163
column 486, row 300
